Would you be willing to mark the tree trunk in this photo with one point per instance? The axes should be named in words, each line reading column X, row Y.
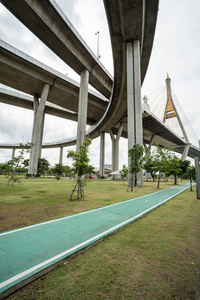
column 158, row 180
column 175, row 179
column 135, row 179
column 80, row 191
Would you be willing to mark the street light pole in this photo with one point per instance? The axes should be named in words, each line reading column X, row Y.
column 98, row 55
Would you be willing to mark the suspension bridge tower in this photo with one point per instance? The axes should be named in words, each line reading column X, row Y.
column 172, row 112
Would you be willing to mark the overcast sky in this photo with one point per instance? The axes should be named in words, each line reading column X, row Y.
column 176, row 50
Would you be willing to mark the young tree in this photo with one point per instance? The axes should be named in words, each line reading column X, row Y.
column 16, row 162
column 173, row 168
column 58, row 169
column 43, row 166
column 149, row 166
column 80, row 166
column 124, row 172
column 184, row 165
column 161, row 158
column 136, row 157
column 67, row 171
column 5, row 168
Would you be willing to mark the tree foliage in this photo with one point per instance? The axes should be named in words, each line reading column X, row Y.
column 150, row 166
column 43, row 166
column 158, row 161
column 5, row 168
column 17, row 162
column 162, row 157
column 58, row 169
column 80, row 166
column 124, row 172
column 173, row 167
column 184, row 165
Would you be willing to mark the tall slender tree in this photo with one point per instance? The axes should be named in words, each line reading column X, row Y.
column 161, row 158
column 173, row 168
column 124, row 172
column 16, row 162
column 80, row 166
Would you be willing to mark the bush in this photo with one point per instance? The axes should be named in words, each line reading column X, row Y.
column 57, row 177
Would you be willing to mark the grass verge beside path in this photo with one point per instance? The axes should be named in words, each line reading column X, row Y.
column 46, row 199
column 155, row 257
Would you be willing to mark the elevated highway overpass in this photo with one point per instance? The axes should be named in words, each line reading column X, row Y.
column 128, row 21
column 48, row 22
column 152, row 126
column 18, row 70
column 132, row 27
column 26, row 74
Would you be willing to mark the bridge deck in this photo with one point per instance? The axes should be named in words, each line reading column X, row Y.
column 28, row 250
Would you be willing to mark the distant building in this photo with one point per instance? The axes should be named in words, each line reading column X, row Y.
column 108, row 166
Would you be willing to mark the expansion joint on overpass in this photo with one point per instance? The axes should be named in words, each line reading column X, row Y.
column 52, row 85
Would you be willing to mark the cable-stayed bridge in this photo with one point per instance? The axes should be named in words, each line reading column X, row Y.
column 165, row 134
column 117, row 109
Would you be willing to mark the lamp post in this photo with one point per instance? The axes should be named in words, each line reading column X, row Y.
column 98, row 55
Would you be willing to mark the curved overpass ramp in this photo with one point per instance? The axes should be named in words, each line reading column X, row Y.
column 128, row 21
column 48, row 22
column 24, row 73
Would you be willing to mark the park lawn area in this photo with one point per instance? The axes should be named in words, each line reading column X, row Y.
column 156, row 257
column 46, row 199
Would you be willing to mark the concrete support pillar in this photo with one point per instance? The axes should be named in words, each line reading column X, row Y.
column 35, row 108
column 13, row 153
column 134, row 107
column 115, row 148
column 147, row 153
column 102, row 154
column 185, row 152
column 41, row 137
column 38, row 130
column 150, row 145
column 197, row 175
column 61, row 155
column 82, row 109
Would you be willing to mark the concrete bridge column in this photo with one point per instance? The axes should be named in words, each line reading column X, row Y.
column 197, row 175
column 35, row 108
column 41, row 137
column 61, row 155
column 115, row 148
column 38, row 130
column 134, row 107
column 13, row 153
column 82, row 109
column 148, row 150
column 185, row 152
column 147, row 153
column 102, row 154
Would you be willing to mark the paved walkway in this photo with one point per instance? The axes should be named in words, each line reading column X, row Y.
column 28, row 250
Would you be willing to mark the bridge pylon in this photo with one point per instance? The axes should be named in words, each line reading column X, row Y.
column 172, row 112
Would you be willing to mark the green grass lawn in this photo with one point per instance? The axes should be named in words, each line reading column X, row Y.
column 45, row 199
column 155, row 257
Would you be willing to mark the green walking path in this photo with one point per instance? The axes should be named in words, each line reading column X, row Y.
column 28, row 250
